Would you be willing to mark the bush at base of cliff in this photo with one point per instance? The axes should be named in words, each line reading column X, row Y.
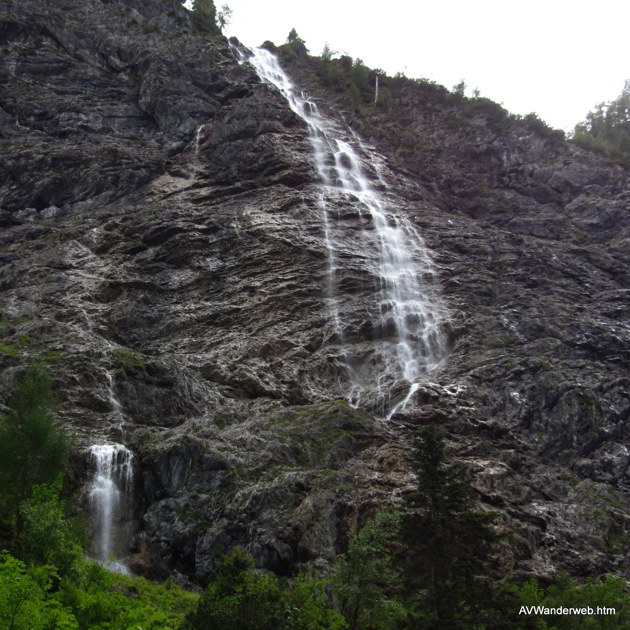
column 47, row 537
column 24, row 604
column 602, row 605
column 47, row 584
column 366, row 576
column 241, row 599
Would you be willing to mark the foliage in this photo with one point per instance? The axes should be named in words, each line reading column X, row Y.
column 449, row 542
column 33, row 598
column 53, row 586
column 33, row 447
column 609, row 593
column 103, row 600
column 360, row 75
column 307, row 606
column 327, row 53
column 205, row 16
column 47, row 537
column 241, row 599
column 224, row 16
column 606, row 129
column 384, row 99
column 127, row 359
column 533, row 121
column 16, row 341
column 459, row 89
column 365, row 576
column 293, row 36
column 23, row 604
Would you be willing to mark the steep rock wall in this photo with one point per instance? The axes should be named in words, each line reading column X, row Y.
column 162, row 250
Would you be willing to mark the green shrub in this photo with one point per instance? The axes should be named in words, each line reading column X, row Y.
column 241, row 599
column 23, row 598
column 366, row 575
column 47, row 537
column 606, row 129
column 127, row 359
column 609, row 593
column 360, row 75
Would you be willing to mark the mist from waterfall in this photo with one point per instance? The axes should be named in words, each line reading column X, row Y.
column 109, row 495
column 406, row 314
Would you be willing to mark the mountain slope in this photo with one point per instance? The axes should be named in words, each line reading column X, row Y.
column 163, row 252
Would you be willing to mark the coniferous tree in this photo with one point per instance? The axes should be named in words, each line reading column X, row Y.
column 366, row 577
column 607, row 128
column 449, row 541
column 224, row 16
column 33, row 447
column 205, row 16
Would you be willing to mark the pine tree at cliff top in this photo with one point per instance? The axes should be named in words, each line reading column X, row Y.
column 205, row 16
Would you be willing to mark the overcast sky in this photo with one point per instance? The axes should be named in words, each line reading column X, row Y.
column 557, row 58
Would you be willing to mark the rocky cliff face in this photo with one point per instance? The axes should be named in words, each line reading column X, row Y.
column 163, row 253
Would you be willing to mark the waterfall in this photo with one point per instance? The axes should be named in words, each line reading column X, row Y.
column 406, row 311
column 110, row 494
column 116, row 406
column 195, row 162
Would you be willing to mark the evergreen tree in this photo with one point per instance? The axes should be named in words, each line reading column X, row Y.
column 366, row 576
column 449, row 541
column 360, row 75
column 293, row 36
column 607, row 128
column 33, row 447
column 205, row 16
column 460, row 88
column 239, row 599
column 224, row 16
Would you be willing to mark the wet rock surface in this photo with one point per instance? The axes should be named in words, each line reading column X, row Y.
column 162, row 251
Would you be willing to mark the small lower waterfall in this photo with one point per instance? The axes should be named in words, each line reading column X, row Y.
column 110, row 494
column 406, row 312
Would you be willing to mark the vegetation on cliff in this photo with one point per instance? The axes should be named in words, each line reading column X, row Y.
column 422, row 568
column 371, row 94
column 606, row 129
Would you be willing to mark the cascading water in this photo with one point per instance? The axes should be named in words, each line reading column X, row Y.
column 110, row 495
column 195, row 163
column 116, row 406
column 406, row 313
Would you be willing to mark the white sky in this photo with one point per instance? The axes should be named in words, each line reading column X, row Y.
column 557, row 58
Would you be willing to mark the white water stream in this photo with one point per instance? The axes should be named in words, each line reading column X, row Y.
column 115, row 404
column 109, row 494
column 195, row 163
column 406, row 315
